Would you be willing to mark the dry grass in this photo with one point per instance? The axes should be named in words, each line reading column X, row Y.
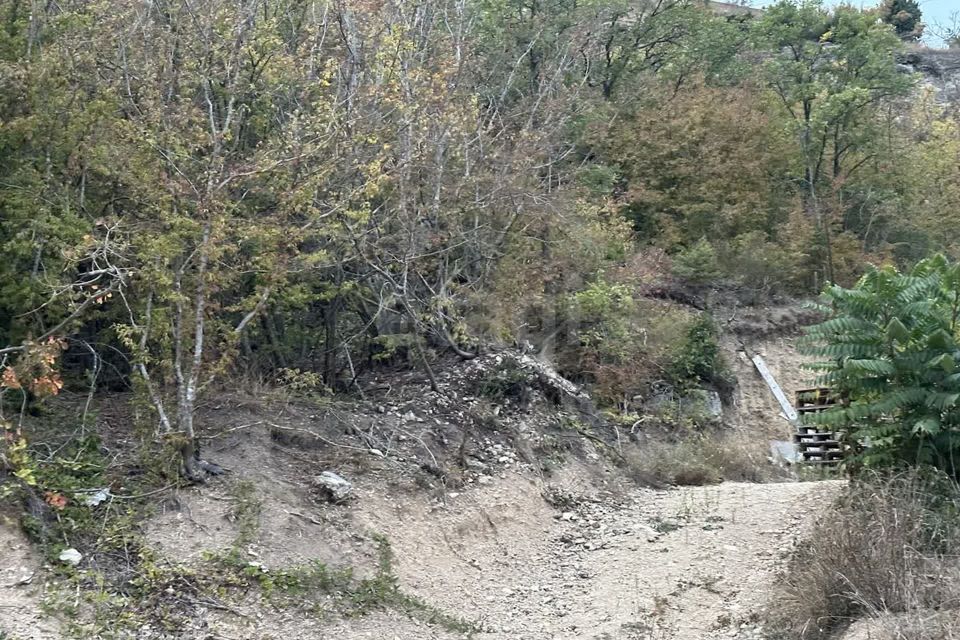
column 917, row 625
column 701, row 458
column 886, row 550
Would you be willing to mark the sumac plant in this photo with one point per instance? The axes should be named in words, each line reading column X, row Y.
column 890, row 347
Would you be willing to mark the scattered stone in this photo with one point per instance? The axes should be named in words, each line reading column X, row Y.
column 97, row 497
column 70, row 556
column 333, row 487
column 651, row 534
column 25, row 578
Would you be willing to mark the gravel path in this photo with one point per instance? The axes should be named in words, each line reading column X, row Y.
column 683, row 564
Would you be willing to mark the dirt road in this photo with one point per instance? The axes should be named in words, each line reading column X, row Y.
column 679, row 564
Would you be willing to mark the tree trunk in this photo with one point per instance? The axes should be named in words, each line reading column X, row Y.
column 330, row 315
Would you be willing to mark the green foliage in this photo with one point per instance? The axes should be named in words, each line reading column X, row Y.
column 832, row 73
column 697, row 264
column 698, row 358
column 612, row 346
column 286, row 210
column 245, row 511
column 507, row 381
column 603, row 313
column 921, row 190
column 698, row 161
column 905, row 16
column 890, row 346
column 601, row 300
column 754, row 261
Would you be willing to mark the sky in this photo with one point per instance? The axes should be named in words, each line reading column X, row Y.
column 942, row 11
column 934, row 11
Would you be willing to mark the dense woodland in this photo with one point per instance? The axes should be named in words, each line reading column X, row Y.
column 300, row 191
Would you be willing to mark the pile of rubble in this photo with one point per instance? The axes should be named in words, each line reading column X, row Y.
column 497, row 412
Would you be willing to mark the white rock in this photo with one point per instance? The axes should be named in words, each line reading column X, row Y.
column 71, row 556
column 336, row 488
column 97, row 497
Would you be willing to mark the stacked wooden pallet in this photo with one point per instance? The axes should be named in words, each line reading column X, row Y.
column 815, row 445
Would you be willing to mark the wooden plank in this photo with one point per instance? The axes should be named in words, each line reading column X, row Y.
column 814, row 437
column 822, row 444
column 817, row 399
column 778, row 393
column 822, row 453
column 807, row 408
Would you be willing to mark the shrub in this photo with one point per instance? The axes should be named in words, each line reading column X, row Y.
column 760, row 265
column 698, row 358
column 698, row 263
column 622, row 343
column 885, row 547
column 507, row 381
column 607, row 347
column 703, row 458
column 890, row 346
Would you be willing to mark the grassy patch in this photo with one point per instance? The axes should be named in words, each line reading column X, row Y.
column 701, row 458
column 170, row 597
column 886, row 550
column 383, row 592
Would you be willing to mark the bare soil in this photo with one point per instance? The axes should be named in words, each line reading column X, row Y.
column 481, row 529
column 22, row 587
column 684, row 564
column 687, row 563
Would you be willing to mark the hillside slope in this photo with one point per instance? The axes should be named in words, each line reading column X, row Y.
column 497, row 506
column 684, row 564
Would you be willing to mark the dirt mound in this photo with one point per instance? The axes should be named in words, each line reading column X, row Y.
column 687, row 564
column 771, row 333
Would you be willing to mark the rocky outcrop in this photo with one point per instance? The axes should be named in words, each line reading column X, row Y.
column 940, row 70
